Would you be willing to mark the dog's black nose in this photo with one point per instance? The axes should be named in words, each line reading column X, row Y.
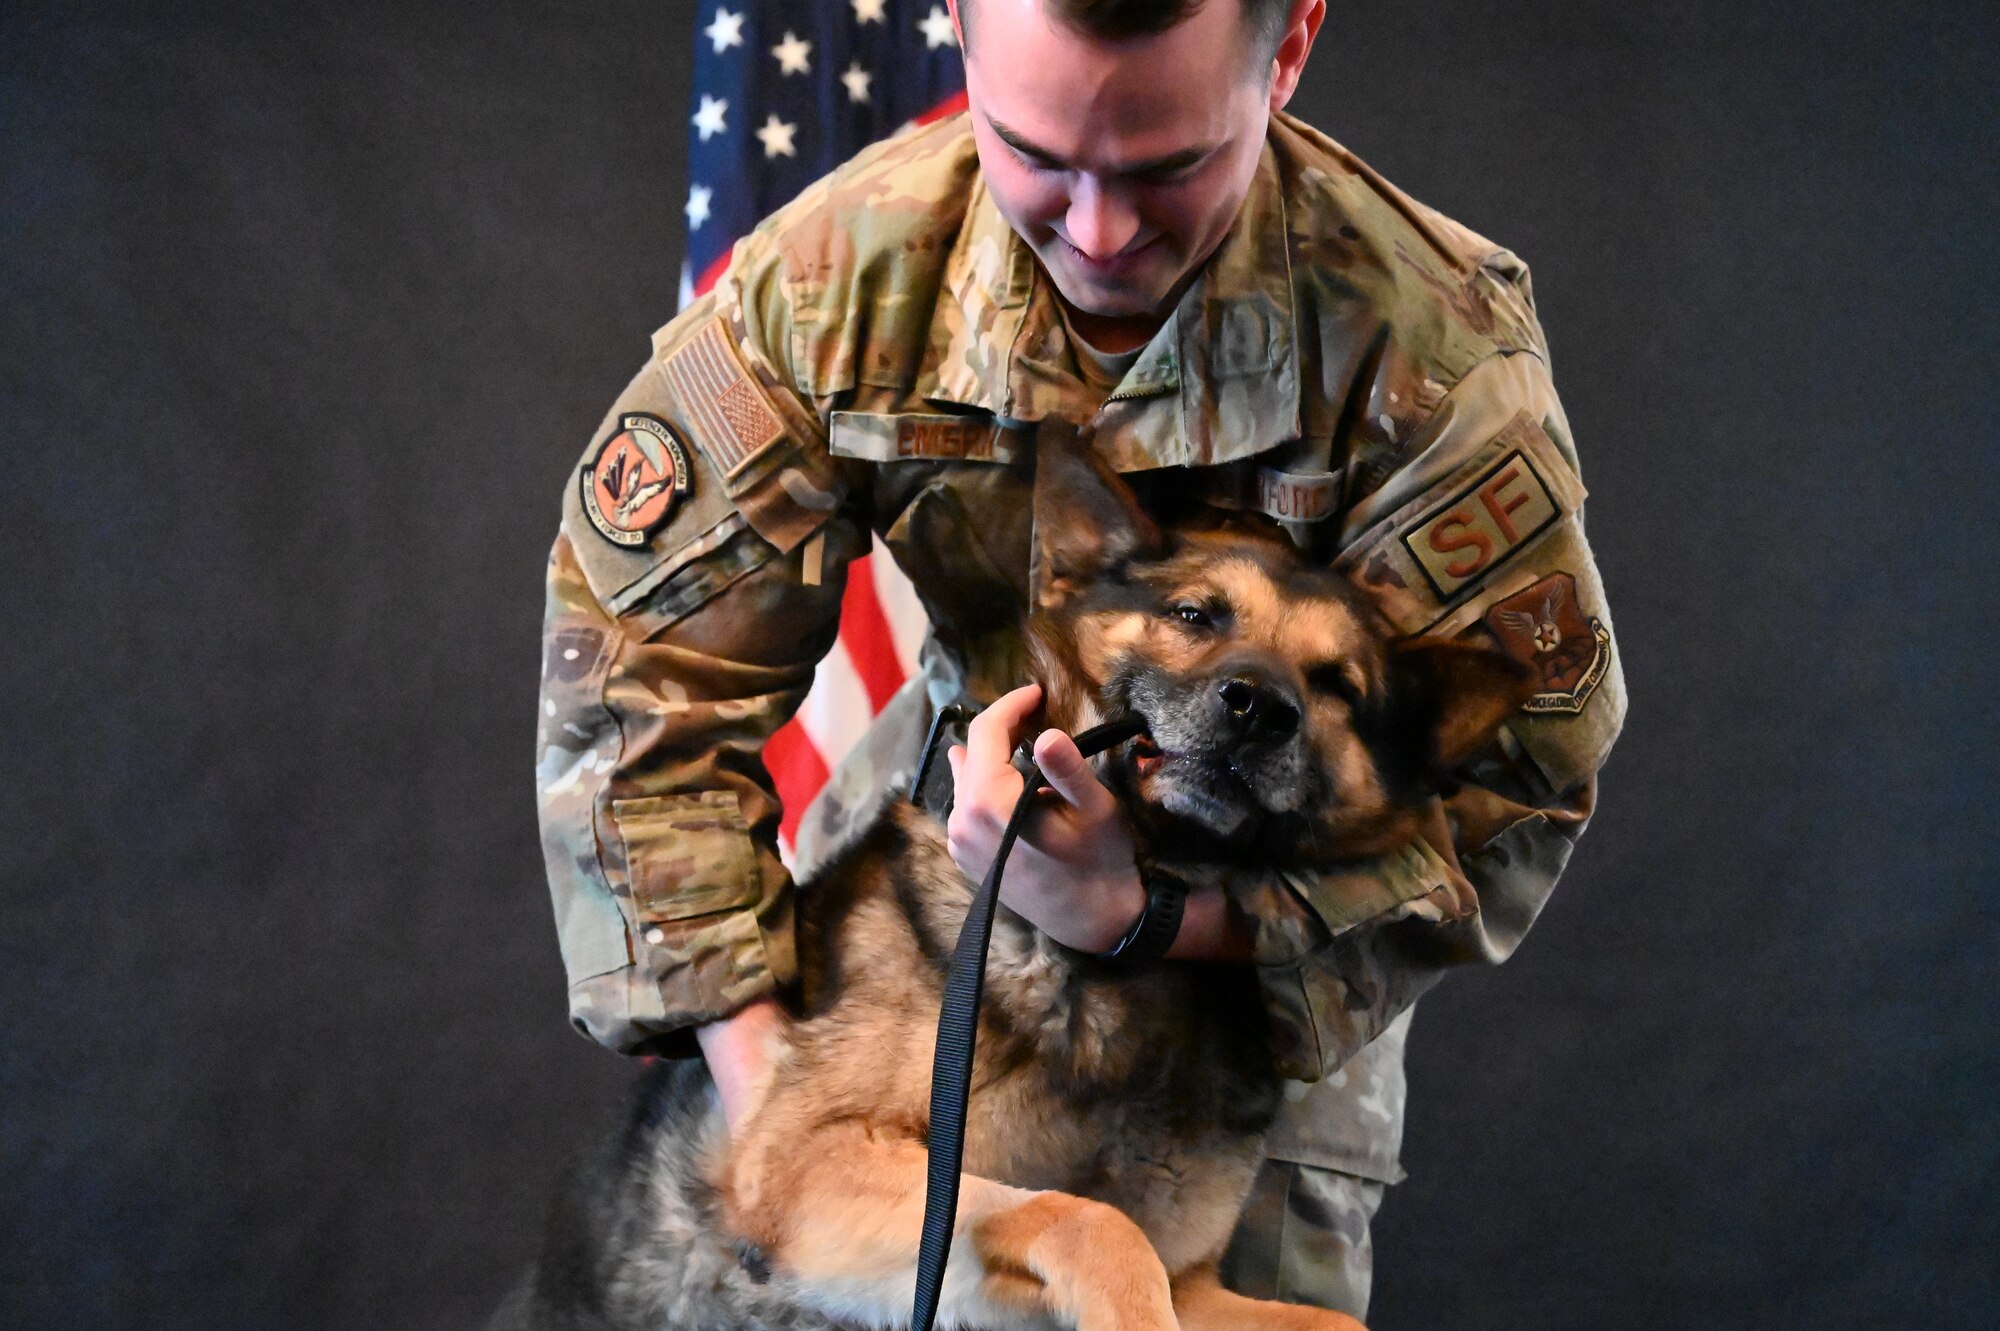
column 1255, row 710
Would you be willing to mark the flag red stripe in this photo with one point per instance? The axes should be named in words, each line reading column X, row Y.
column 798, row 771
column 950, row 106
column 865, row 629
column 713, row 271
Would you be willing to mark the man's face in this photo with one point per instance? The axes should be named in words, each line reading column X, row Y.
column 1121, row 164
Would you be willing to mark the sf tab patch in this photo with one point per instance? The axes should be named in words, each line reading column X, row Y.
column 633, row 479
column 1483, row 526
column 1543, row 627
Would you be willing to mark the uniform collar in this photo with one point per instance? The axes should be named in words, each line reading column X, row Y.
column 1220, row 381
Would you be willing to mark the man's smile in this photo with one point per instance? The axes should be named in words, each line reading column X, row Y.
column 1117, row 265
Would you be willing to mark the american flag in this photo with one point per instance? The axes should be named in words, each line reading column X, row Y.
column 784, row 91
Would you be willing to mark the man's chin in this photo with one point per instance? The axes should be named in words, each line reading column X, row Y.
column 1103, row 302
column 1106, row 298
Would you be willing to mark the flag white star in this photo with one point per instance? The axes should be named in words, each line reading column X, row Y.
column 697, row 205
column 709, row 119
column 726, row 31
column 856, row 78
column 792, row 54
column 936, row 28
column 868, row 11
column 776, row 136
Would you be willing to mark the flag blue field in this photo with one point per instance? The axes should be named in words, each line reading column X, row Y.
column 785, row 92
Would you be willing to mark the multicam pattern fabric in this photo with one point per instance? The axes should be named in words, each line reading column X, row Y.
column 1304, row 1238
column 1342, row 332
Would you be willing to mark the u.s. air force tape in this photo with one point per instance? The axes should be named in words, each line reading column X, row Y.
column 1288, row 496
column 633, row 479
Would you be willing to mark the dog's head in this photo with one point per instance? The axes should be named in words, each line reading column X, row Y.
column 1285, row 722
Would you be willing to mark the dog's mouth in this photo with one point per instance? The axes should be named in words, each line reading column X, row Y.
column 1190, row 787
column 1204, row 789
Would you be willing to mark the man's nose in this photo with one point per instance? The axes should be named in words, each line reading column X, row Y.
column 1100, row 223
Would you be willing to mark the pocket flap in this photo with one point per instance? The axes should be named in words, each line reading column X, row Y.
column 686, row 854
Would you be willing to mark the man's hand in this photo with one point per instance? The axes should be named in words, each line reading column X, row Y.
column 1072, row 873
column 740, row 1051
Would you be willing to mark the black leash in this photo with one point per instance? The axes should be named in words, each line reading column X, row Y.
column 958, row 1025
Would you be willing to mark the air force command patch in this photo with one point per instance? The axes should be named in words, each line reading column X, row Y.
column 1544, row 629
column 633, row 479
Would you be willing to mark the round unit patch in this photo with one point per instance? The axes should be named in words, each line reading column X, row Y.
column 633, row 479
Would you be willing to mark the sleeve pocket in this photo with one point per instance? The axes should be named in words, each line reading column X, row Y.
column 686, row 855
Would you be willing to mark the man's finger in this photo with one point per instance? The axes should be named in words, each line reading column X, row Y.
column 987, row 796
column 990, row 739
column 1070, row 776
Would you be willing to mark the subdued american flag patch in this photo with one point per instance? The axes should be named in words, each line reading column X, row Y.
column 727, row 414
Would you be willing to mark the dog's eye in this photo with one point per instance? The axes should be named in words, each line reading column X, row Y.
column 1335, row 682
column 1193, row 616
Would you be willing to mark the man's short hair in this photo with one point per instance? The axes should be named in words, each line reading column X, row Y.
column 1113, row 20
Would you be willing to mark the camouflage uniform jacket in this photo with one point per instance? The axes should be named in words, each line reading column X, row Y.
column 1348, row 361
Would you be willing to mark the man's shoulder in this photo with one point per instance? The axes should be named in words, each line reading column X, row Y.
column 904, row 185
column 862, row 253
column 1357, row 233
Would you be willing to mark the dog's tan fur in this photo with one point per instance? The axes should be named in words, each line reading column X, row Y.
column 1116, row 1119
column 827, row 1175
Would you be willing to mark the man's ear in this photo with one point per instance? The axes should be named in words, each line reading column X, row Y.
column 1087, row 521
column 1454, row 694
column 1288, row 62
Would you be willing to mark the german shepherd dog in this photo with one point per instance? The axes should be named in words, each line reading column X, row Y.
column 1116, row 1119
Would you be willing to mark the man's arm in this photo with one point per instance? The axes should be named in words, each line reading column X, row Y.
column 1479, row 535
column 668, row 663
column 738, row 1051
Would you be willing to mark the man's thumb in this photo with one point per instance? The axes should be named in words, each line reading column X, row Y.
column 1069, row 774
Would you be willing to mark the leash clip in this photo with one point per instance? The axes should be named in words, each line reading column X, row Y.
column 931, row 787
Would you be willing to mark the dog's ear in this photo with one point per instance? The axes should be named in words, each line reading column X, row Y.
column 1087, row 521
column 1452, row 696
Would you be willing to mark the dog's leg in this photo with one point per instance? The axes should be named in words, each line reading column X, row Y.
column 841, row 1211
column 1202, row 1304
column 1081, row 1260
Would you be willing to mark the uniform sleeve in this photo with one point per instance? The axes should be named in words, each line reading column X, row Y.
column 1478, row 536
column 668, row 662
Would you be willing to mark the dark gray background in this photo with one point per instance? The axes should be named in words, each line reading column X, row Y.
column 307, row 313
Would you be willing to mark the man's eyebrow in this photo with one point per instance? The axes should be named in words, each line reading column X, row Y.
column 1152, row 166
